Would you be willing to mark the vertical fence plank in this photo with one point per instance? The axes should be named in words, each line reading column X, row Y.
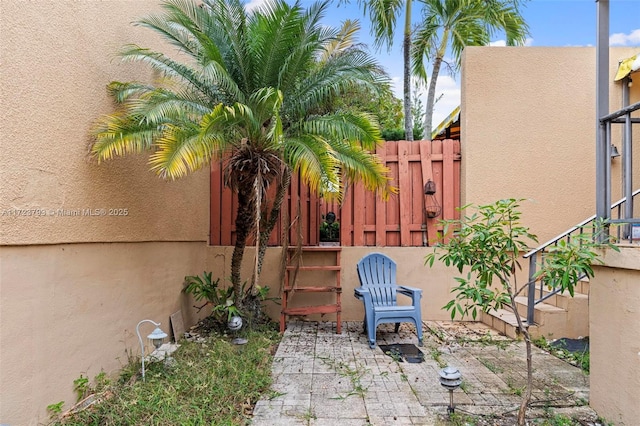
column 294, row 200
column 304, row 212
column 345, row 215
column 404, row 188
column 417, row 196
column 381, row 207
column 457, row 178
column 359, row 211
column 314, row 218
column 427, row 174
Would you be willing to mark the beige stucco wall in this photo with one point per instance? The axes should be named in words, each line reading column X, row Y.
column 614, row 323
column 58, row 57
column 528, row 131
column 71, row 309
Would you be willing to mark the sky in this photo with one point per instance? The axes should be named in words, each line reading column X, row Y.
column 551, row 23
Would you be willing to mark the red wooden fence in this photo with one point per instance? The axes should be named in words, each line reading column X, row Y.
column 365, row 219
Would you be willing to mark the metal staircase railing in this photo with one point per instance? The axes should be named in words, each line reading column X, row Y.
column 536, row 256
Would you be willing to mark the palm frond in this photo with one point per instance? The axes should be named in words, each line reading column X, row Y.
column 357, row 128
column 423, row 46
column 383, row 15
column 216, row 75
column 251, row 91
column 228, row 27
column 313, row 156
column 119, row 134
column 344, row 40
column 168, row 67
column 360, row 165
column 174, row 33
column 121, row 92
column 180, row 150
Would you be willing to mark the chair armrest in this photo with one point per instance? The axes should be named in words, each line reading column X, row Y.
column 363, row 294
column 404, row 289
column 359, row 292
column 414, row 293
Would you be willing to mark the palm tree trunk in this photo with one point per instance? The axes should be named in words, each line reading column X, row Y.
column 406, row 50
column 244, row 222
column 431, row 96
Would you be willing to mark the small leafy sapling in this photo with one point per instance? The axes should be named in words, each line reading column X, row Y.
column 488, row 245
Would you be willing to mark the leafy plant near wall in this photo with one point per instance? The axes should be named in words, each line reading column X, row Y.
column 488, row 245
column 221, row 299
column 203, row 287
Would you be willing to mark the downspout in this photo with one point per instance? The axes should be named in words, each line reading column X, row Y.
column 627, row 159
column 603, row 164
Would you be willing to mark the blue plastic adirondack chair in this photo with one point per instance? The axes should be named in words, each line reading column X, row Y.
column 378, row 291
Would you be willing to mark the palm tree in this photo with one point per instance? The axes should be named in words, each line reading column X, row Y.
column 251, row 92
column 456, row 24
column 383, row 15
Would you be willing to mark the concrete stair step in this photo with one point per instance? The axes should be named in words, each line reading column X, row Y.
column 565, row 301
column 558, row 316
column 556, row 322
column 541, row 312
column 504, row 321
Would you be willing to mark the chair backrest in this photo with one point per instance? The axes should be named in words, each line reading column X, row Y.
column 377, row 272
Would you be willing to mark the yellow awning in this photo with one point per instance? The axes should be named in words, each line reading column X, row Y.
column 451, row 118
column 628, row 66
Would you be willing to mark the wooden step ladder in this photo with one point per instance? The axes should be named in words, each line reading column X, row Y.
column 304, row 275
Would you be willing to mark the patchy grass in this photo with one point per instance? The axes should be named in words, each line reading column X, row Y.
column 212, row 382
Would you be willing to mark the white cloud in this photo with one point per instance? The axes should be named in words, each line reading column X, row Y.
column 503, row 43
column 621, row 39
column 254, row 4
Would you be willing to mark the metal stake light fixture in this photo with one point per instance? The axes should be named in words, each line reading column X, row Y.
column 235, row 324
column 451, row 379
column 156, row 337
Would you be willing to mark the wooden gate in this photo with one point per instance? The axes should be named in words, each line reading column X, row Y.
column 365, row 219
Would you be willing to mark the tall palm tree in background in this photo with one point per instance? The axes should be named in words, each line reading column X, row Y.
column 455, row 24
column 252, row 91
column 383, row 15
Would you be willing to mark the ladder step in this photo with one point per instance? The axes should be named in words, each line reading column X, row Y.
column 314, row 289
column 315, row 268
column 307, row 310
